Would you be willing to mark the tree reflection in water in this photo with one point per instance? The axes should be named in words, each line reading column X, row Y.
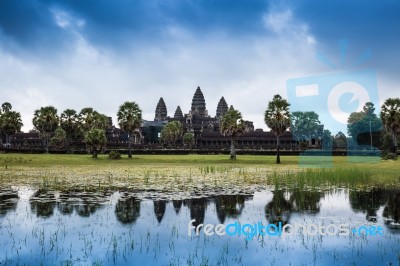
column 286, row 202
column 127, row 209
column 278, row 209
column 368, row 202
column 392, row 210
column 43, row 203
column 8, row 201
column 84, row 203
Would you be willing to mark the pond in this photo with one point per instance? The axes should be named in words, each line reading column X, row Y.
column 315, row 227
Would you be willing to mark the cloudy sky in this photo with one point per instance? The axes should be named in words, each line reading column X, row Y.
column 76, row 54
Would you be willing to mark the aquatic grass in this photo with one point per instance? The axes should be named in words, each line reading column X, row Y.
column 189, row 174
column 324, row 177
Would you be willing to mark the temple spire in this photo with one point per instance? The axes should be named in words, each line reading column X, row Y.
column 222, row 108
column 178, row 113
column 161, row 111
column 198, row 103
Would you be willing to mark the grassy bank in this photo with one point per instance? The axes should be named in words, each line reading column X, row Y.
column 193, row 174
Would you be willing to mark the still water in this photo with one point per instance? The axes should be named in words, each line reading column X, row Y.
column 120, row 229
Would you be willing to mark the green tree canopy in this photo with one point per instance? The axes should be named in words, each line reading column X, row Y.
column 277, row 118
column 46, row 121
column 59, row 139
column 390, row 115
column 69, row 122
column 172, row 132
column 90, row 119
column 365, row 127
column 188, row 138
column 232, row 125
column 10, row 123
column 327, row 140
column 6, row 107
column 129, row 118
column 95, row 139
column 340, row 140
column 306, row 125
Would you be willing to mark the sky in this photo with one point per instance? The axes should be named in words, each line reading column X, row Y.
column 76, row 54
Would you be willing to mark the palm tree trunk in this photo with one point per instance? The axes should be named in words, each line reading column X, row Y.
column 233, row 152
column 129, row 146
column 394, row 142
column 278, row 157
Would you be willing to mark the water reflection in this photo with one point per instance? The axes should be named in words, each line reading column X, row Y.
column 278, row 209
column 368, row 202
column 127, row 209
column 159, row 209
column 85, row 204
column 65, row 207
column 177, row 205
column 305, row 201
column 158, row 231
column 8, row 201
column 43, row 203
column 392, row 210
column 230, row 206
column 197, row 209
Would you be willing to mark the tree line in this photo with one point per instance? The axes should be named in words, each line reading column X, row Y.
column 89, row 126
column 72, row 127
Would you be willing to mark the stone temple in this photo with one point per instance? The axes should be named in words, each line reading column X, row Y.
column 206, row 128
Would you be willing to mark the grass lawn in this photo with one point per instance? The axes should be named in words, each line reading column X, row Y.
column 192, row 173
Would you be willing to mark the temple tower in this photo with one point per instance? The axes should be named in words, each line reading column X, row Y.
column 199, row 104
column 178, row 113
column 222, row 108
column 161, row 111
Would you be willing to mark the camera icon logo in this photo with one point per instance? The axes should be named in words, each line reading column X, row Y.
column 333, row 97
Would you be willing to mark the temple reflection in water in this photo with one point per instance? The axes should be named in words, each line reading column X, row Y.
column 282, row 204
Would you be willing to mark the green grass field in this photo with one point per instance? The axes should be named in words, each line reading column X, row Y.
column 192, row 173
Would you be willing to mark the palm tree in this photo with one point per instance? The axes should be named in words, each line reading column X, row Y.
column 46, row 121
column 129, row 118
column 277, row 118
column 69, row 122
column 6, row 107
column 96, row 140
column 390, row 115
column 89, row 119
column 232, row 125
column 10, row 123
column 86, row 118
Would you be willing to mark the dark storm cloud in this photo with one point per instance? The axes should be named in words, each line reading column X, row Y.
column 366, row 24
column 118, row 23
column 29, row 25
